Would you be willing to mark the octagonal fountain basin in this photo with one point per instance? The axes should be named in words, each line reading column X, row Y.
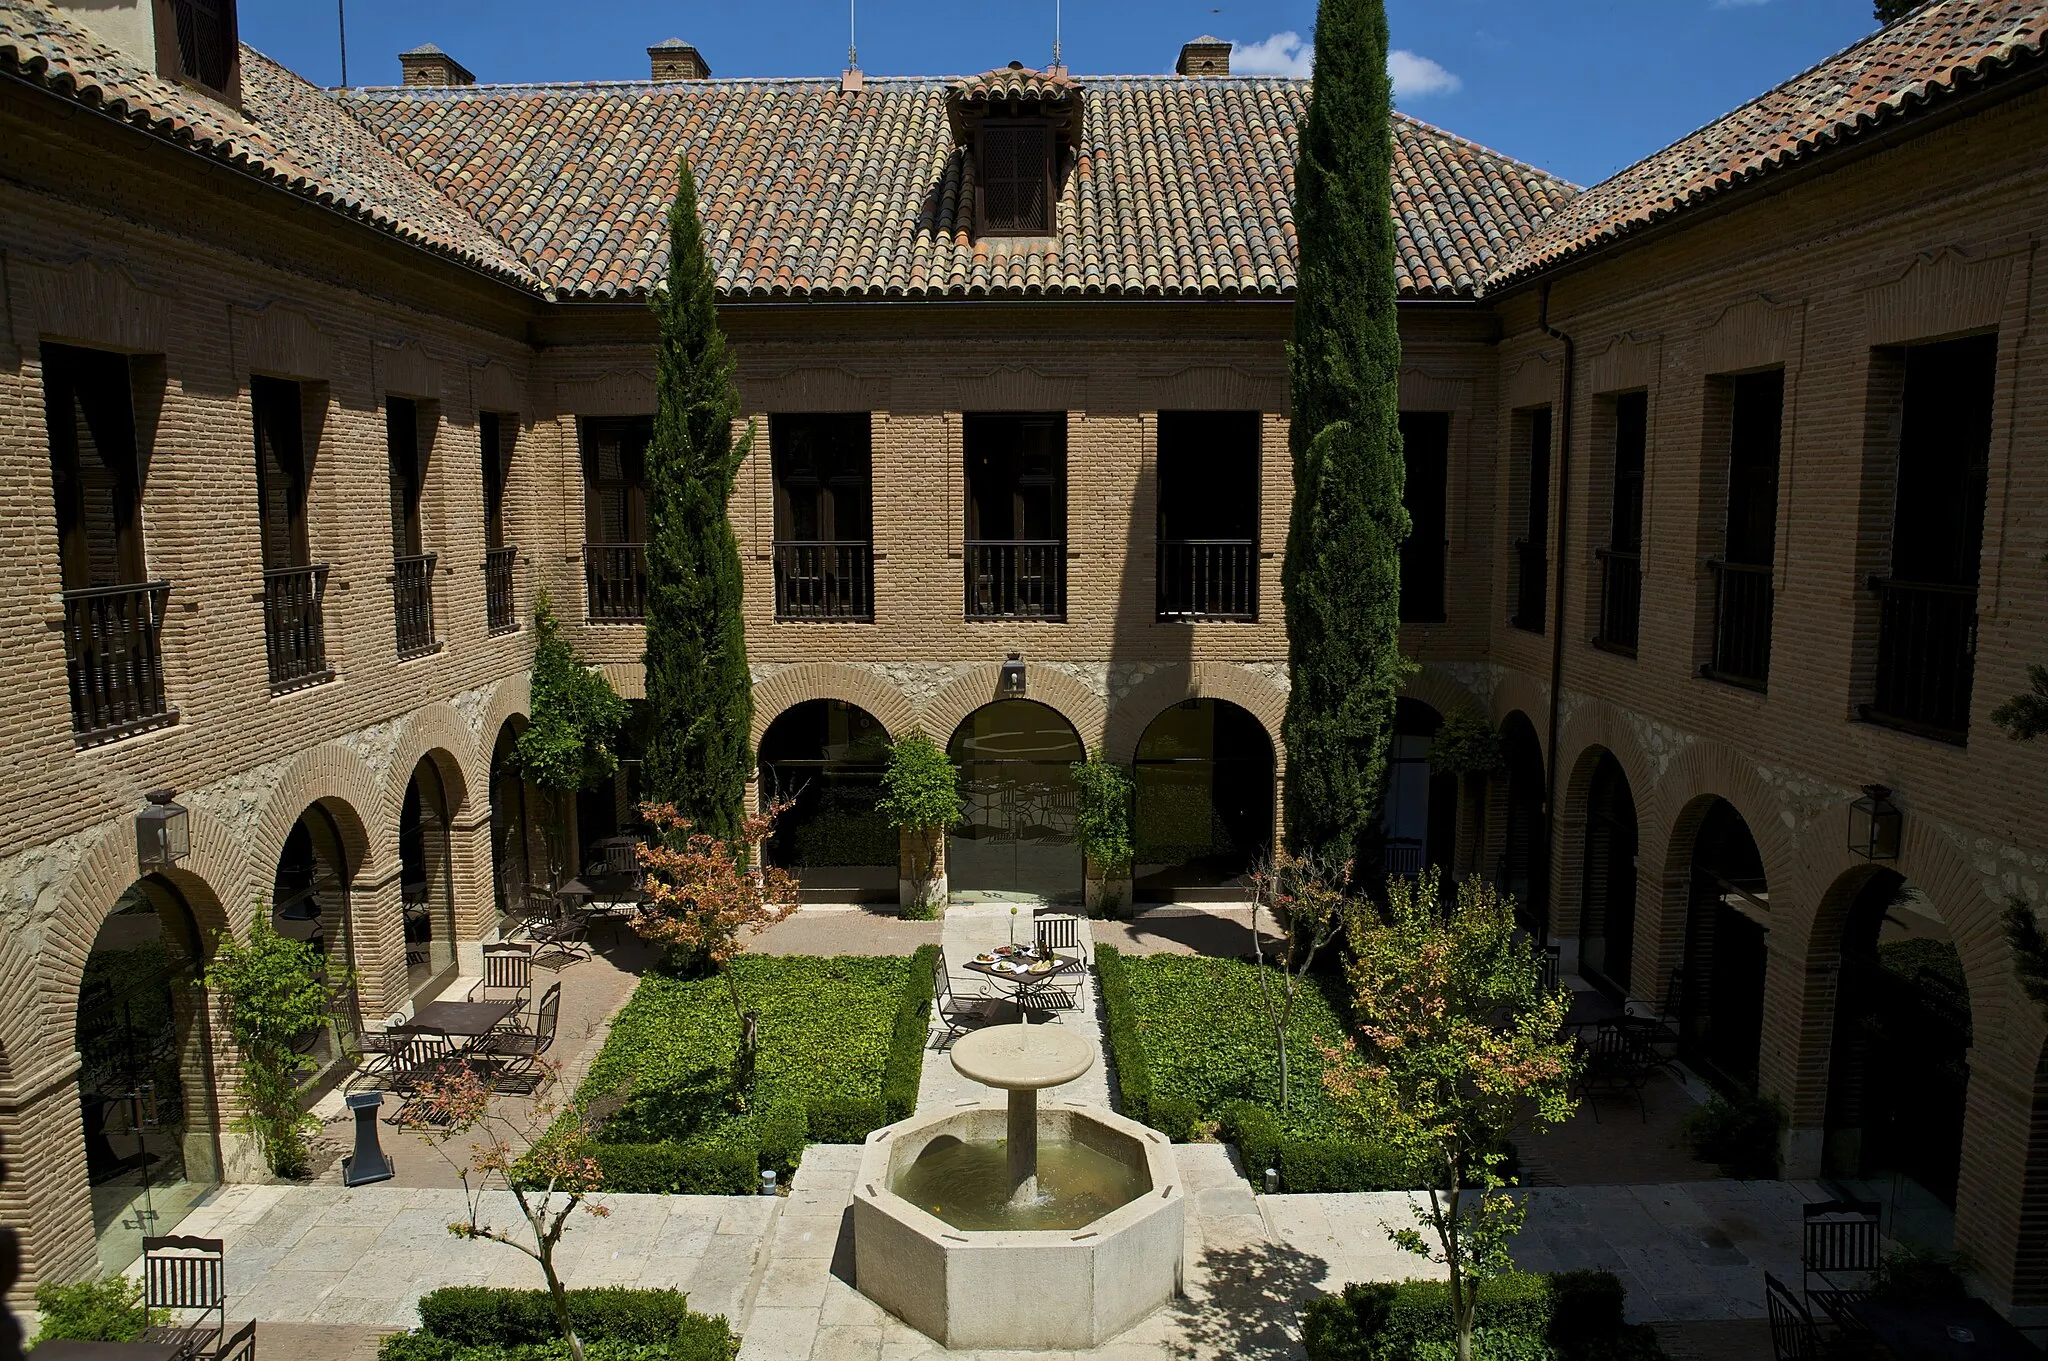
column 1102, row 1250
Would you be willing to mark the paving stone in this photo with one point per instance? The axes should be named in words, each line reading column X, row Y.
column 779, row 1334
column 848, row 1342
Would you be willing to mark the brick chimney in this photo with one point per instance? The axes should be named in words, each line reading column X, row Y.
column 1205, row 56
column 674, row 59
column 429, row 65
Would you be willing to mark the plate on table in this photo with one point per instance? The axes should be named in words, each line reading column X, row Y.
column 984, row 959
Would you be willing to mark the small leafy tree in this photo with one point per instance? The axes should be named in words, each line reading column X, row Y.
column 109, row 1309
column 1102, row 820
column 921, row 795
column 571, row 737
column 698, row 686
column 271, row 998
column 705, row 896
column 1457, row 1040
column 1307, row 901
column 549, row 1181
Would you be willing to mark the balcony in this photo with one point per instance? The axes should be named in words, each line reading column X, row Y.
column 1621, row 601
column 294, row 627
column 412, row 591
column 824, row 579
column 113, row 652
column 1208, row 579
column 1742, row 624
column 1017, row 579
column 615, row 582
column 1531, row 575
column 1926, row 658
column 501, row 614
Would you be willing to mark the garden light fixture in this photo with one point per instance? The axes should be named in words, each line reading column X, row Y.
column 163, row 834
column 1874, row 824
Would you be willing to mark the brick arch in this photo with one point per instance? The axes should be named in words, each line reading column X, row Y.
column 512, row 699
column 628, row 679
column 886, row 703
column 1592, row 740
column 1441, row 692
column 333, row 775
column 434, row 729
column 1513, row 691
column 1684, row 791
column 1056, row 690
column 1134, row 712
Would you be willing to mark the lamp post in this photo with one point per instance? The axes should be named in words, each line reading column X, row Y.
column 1874, row 822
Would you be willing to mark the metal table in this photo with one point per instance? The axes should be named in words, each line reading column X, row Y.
column 1941, row 1330
column 1019, row 982
column 469, row 1020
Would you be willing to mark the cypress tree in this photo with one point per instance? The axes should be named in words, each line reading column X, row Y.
column 1342, row 577
column 699, row 693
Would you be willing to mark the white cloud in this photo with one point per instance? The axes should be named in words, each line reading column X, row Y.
column 1417, row 77
column 1287, row 54
column 1283, row 54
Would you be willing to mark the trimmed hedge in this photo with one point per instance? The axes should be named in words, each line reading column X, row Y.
column 617, row 1323
column 1310, row 1165
column 904, row 1068
column 1565, row 1316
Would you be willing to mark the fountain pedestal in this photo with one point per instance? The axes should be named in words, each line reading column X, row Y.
column 1022, row 1060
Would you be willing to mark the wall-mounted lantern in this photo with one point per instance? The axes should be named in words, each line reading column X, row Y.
column 1874, row 824
column 1012, row 686
column 163, row 834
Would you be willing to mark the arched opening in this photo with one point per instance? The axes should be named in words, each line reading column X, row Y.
column 1607, row 922
column 426, row 880
column 1721, row 1021
column 1524, row 869
column 309, row 902
column 612, row 807
column 1898, row 1074
column 1203, row 800
column 827, row 757
column 145, row 1078
column 1419, row 816
column 516, row 847
column 1017, row 833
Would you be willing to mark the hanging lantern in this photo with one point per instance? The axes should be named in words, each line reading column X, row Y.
column 1874, row 824
column 163, row 834
column 1012, row 686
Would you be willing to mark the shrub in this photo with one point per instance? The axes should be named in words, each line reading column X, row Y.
column 1740, row 1134
column 780, row 1130
column 1120, row 1016
column 108, row 1310
column 847, row 1119
column 1571, row 1316
column 1309, row 1166
column 1920, row 1274
column 617, row 1323
column 1102, row 818
column 903, row 1070
column 272, row 997
column 920, row 787
column 1256, row 1132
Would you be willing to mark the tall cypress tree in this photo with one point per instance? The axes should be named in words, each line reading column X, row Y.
column 699, row 693
column 1342, row 577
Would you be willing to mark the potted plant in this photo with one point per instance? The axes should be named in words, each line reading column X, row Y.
column 1102, row 824
column 921, row 799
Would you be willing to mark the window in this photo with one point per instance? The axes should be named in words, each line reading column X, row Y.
column 1016, row 550
column 206, row 50
column 1208, row 515
column 113, row 617
column 1743, row 591
column 1014, row 159
column 412, row 565
column 1426, row 447
column 615, row 516
column 824, row 531
column 494, row 437
column 294, row 627
column 1927, row 602
column 1532, row 500
column 1621, row 562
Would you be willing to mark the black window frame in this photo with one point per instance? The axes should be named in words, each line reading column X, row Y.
column 1426, row 495
column 1002, row 200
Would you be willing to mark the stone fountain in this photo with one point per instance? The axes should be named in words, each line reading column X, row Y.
column 1011, row 1225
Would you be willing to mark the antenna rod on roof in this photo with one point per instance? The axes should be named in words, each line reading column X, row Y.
column 341, row 25
column 851, row 59
column 1055, row 33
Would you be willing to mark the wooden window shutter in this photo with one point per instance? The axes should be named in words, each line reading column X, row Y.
column 1016, row 178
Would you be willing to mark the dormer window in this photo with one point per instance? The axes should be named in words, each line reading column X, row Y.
column 1016, row 126
column 204, row 49
column 1015, row 195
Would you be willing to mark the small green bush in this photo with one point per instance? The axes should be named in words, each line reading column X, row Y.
column 616, row 1323
column 107, row 1310
column 1102, row 814
column 1314, row 1166
column 1175, row 1117
column 780, row 1130
column 920, row 786
column 846, row 1119
column 1126, row 1053
column 1739, row 1134
column 1568, row 1316
column 1256, row 1132
column 910, row 1028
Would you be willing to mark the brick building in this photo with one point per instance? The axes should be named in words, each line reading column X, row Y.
column 1729, row 502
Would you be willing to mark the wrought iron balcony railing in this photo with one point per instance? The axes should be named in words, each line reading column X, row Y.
column 295, row 626
column 615, row 578
column 1016, row 579
column 1621, row 600
column 1926, row 657
column 412, row 591
column 824, row 579
column 113, row 652
column 1208, row 579
column 1742, row 624
column 500, row 611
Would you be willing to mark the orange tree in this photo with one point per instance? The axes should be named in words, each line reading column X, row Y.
column 706, row 894
column 1457, row 1040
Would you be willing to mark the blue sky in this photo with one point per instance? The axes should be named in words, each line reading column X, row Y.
column 1579, row 87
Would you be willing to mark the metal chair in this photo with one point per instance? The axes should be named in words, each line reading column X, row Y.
column 948, row 1009
column 1840, row 1248
column 556, row 929
column 523, row 1048
column 373, row 1051
column 1060, row 936
column 1618, row 1061
column 508, row 974
column 186, row 1276
column 1793, row 1336
column 240, row 1347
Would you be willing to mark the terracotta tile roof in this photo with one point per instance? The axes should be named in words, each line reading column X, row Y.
column 290, row 133
column 1019, row 83
column 1937, row 51
column 1181, row 188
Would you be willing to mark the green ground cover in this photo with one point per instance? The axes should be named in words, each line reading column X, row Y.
column 835, row 1038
